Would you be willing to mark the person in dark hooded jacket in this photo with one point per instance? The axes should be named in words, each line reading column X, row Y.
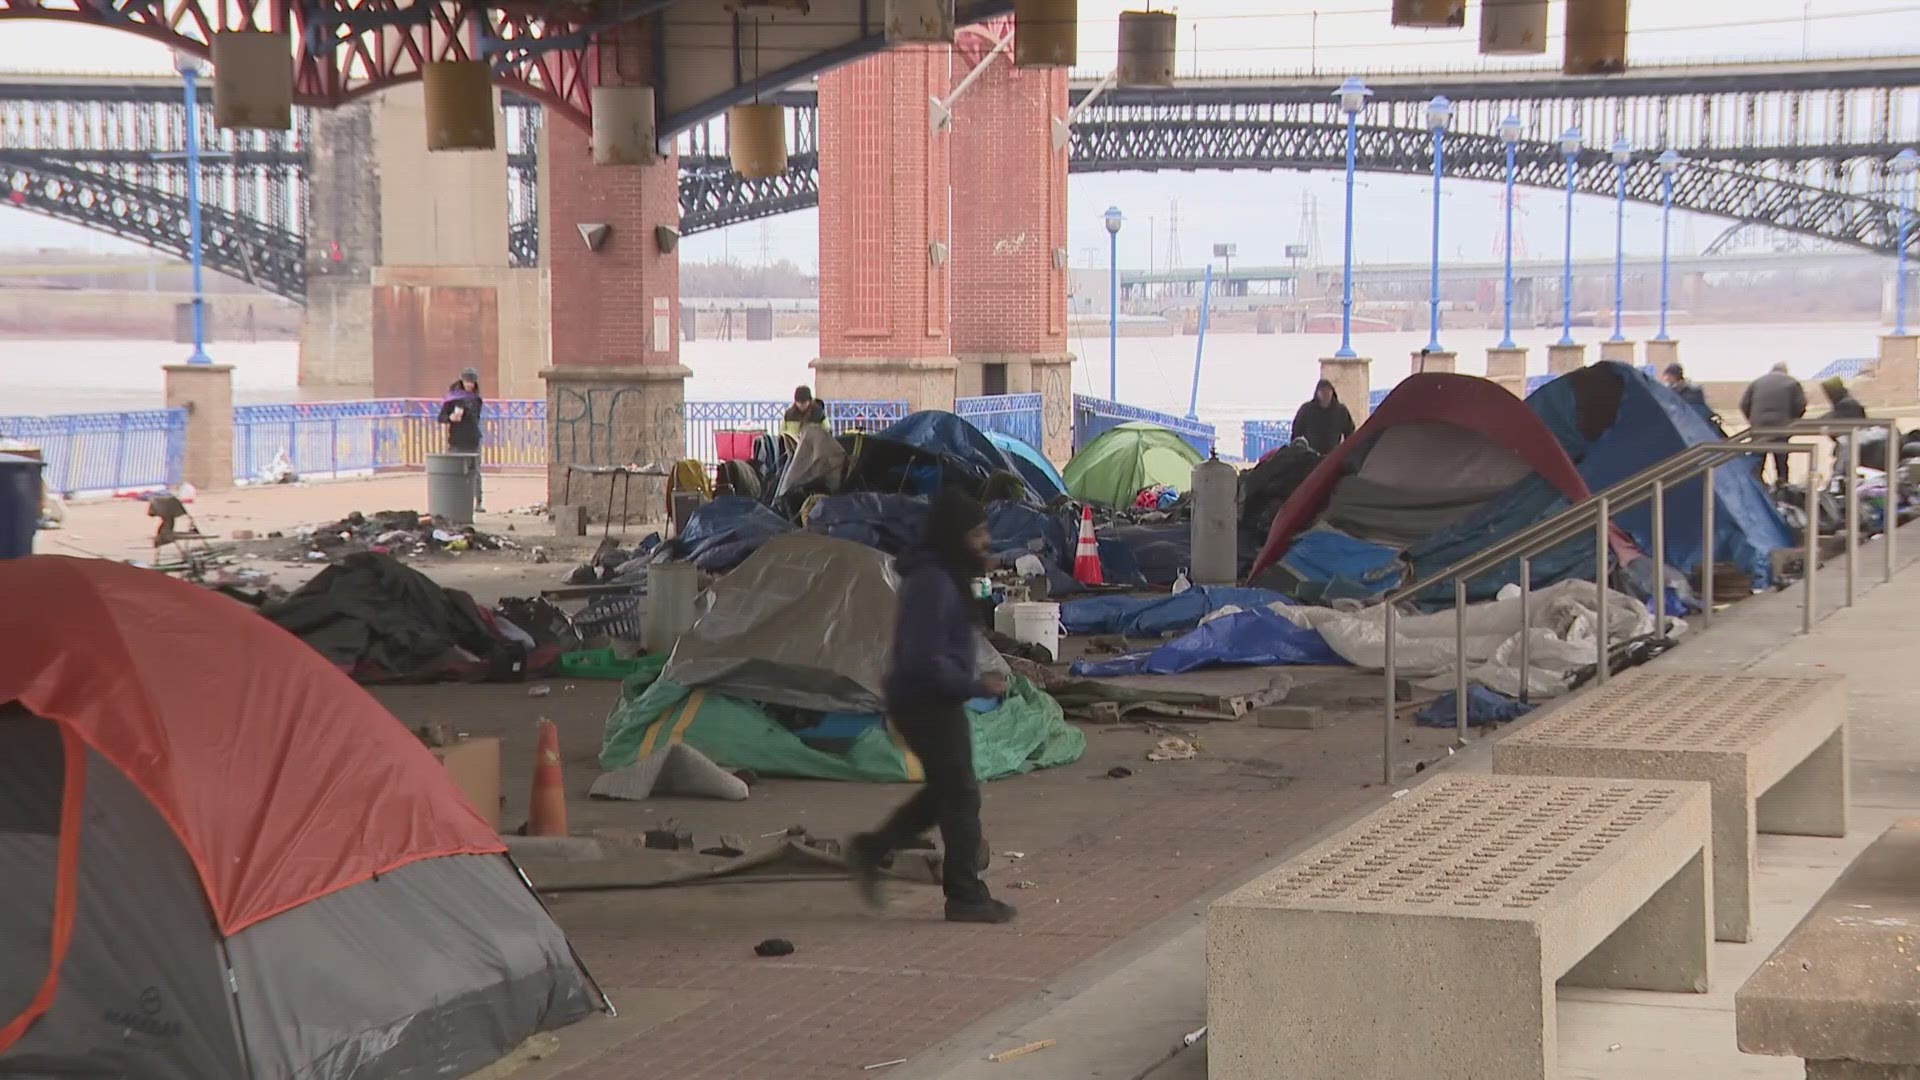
column 929, row 680
column 1323, row 422
column 1845, row 405
column 460, row 411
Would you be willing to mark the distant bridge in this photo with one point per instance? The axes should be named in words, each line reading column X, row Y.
column 1799, row 147
column 1418, row 273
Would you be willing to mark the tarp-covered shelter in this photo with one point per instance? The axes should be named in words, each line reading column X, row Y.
column 224, row 859
column 1042, row 479
column 1614, row 420
column 1127, row 459
column 950, row 436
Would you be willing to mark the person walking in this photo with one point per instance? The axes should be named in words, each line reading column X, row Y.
column 1323, row 422
column 1690, row 392
column 1844, row 405
column 460, row 411
column 929, row 679
column 1773, row 400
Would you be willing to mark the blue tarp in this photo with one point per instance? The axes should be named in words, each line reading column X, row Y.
column 945, row 435
column 720, row 535
column 1484, row 707
column 1652, row 424
column 1253, row 638
column 1151, row 616
column 1346, row 565
column 891, row 523
column 1532, row 499
column 1041, row 478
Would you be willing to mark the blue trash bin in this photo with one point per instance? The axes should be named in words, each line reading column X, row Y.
column 19, row 504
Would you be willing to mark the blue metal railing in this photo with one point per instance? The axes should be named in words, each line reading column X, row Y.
column 1018, row 415
column 1094, row 417
column 708, row 420
column 105, row 452
column 331, row 439
column 1258, row 438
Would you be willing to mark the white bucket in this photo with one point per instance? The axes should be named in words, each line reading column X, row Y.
column 1003, row 619
column 1036, row 623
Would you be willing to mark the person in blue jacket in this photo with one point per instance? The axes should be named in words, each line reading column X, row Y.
column 930, row 677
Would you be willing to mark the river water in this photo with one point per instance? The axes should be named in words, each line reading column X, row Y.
column 1243, row 376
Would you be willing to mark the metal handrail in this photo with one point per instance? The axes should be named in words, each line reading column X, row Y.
column 1596, row 512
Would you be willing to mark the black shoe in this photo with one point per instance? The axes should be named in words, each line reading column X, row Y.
column 865, row 869
column 985, row 910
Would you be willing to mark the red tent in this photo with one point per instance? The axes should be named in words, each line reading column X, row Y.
column 281, row 816
column 1475, row 405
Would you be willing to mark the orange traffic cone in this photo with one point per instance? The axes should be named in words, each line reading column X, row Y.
column 1086, row 557
column 547, row 807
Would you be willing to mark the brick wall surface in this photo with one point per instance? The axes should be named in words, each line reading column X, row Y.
column 883, row 204
column 1009, row 204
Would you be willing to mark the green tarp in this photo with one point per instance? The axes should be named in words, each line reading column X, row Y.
column 1118, row 465
column 1026, row 732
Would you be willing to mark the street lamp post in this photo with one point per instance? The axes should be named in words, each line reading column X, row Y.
column 1510, row 135
column 1439, row 112
column 1669, row 162
column 1570, row 150
column 1904, row 165
column 189, row 68
column 1352, row 95
column 1622, row 158
column 1113, row 220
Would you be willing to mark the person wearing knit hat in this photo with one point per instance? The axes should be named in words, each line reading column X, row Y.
column 1845, row 405
column 1675, row 377
column 929, row 679
column 460, row 410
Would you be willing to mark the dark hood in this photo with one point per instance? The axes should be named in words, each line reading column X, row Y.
column 943, row 540
column 1325, row 384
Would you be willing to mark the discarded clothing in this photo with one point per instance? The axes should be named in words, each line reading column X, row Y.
column 1483, row 707
column 723, row 533
column 1252, row 638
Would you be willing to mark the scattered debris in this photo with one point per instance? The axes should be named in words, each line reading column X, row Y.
column 400, row 533
column 1193, row 1037
column 677, row 770
column 540, row 555
column 774, row 946
column 539, row 691
column 1172, row 748
column 883, row 1064
column 1023, row 884
column 1013, row 854
column 670, row 837
column 243, row 534
column 1119, row 772
column 724, row 851
column 1402, row 793
column 1021, row 1051
column 1613, row 1047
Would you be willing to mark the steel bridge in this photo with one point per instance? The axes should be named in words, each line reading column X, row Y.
column 1799, row 147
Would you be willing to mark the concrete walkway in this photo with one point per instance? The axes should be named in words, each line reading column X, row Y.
column 1124, row 1015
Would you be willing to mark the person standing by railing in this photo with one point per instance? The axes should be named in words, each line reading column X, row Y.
column 1774, row 400
column 806, row 411
column 460, row 411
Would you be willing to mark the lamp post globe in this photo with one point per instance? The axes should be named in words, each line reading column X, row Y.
column 1114, row 219
column 1353, row 95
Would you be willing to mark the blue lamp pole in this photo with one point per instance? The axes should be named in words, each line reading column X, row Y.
column 1113, row 220
column 1439, row 112
column 1570, row 150
column 1352, row 95
column 1622, row 158
column 189, row 69
column 1669, row 162
column 1904, row 165
column 1510, row 135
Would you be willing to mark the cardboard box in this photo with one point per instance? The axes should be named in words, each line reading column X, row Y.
column 474, row 765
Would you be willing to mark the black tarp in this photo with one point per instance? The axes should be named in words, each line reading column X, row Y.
column 382, row 621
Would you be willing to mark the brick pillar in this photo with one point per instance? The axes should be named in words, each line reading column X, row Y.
column 343, row 247
column 1352, row 379
column 1620, row 352
column 884, row 232
column 1562, row 359
column 616, row 390
column 1661, row 352
column 1508, row 367
column 1445, row 361
column 1010, row 234
column 206, row 392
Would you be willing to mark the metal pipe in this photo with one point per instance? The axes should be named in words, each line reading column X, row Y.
column 1200, row 343
column 1526, row 623
column 1853, row 506
column 1620, row 253
column 1813, row 546
column 190, row 76
column 1659, row 559
column 1346, row 276
column 1506, row 341
column 1566, row 285
column 1460, row 657
column 1386, row 726
column 1113, row 312
column 1433, row 301
column 1893, row 501
column 1706, row 547
column 1666, row 248
column 1602, row 553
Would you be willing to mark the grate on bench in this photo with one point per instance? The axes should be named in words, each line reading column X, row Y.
column 1675, row 711
column 1469, row 843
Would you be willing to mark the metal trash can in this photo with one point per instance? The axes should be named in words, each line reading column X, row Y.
column 451, row 479
column 20, row 498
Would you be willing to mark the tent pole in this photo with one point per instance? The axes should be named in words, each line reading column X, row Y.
column 233, row 996
column 605, row 1001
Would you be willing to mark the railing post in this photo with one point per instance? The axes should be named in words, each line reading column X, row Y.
column 1602, row 552
column 1706, row 547
column 1853, row 505
column 1659, row 559
column 1526, row 624
column 1892, row 521
column 1460, row 657
column 1386, row 725
column 1813, row 545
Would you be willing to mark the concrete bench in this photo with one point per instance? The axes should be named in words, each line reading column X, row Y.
column 1840, row 991
column 1774, row 750
column 1424, row 941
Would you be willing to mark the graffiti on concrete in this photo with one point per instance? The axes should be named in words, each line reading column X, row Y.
column 615, row 425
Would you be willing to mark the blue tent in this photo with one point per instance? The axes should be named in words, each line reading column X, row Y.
column 947, row 436
column 1614, row 420
column 1041, row 478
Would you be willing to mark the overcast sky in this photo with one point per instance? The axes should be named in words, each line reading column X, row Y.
column 1261, row 212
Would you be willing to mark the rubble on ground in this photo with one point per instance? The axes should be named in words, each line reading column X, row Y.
column 400, row 533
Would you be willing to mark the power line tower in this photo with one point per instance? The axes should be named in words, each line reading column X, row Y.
column 1308, row 237
column 1173, row 235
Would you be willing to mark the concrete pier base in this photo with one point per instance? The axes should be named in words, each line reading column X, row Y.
column 1895, row 381
column 1620, row 352
column 206, row 392
column 1445, row 361
column 923, row 382
column 1351, row 377
column 1564, row 358
column 1508, row 367
column 1661, row 352
column 1049, row 375
column 614, row 416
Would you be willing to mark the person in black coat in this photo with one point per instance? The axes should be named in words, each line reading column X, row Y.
column 1323, row 422
column 460, row 411
column 1690, row 392
column 929, row 680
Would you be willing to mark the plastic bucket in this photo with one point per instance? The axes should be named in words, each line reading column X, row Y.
column 1037, row 623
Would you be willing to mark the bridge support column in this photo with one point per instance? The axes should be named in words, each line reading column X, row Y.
column 1564, row 358
column 884, row 232
column 343, row 246
column 1352, row 380
column 1010, row 236
column 1508, row 367
column 1895, row 380
column 1661, row 353
column 206, row 392
column 616, row 390
column 1620, row 352
column 1445, row 361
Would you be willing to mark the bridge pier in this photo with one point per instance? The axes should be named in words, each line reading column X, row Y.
column 884, row 232
column 1661, row 353
column 1010, row 236
column 1620, row 352
column 343, row 246
column 1352, row 379
column 615, row 390
column 1562, row 359
column 1445, row 361
column 1508, row 367
column 1894, row 381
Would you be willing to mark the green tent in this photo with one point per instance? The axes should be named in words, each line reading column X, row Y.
column 1136, row 455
